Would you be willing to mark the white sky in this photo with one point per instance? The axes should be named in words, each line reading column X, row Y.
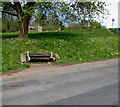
column 113, row 10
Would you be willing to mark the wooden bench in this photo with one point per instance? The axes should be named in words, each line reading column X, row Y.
column 38, row 56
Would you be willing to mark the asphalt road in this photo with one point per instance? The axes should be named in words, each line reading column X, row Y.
column 90, row 84
column 104, row 96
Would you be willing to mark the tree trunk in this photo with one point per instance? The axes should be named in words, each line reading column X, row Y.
column 24, row 22
column 24, row 17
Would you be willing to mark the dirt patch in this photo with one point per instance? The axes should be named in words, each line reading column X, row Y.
column 48, row 65
column 39, row 69
column 11, row 72
column 88, row 62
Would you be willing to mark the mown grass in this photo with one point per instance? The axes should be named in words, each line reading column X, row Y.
column 72, row 46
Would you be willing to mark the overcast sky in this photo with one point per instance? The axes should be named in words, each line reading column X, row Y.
column 113, row 10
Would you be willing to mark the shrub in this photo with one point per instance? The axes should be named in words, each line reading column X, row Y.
column 113, row 30
column 95, row 25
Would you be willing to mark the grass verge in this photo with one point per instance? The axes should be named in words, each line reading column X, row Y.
column 72, row 46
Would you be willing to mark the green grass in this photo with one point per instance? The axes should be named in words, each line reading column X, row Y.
column 72, row 46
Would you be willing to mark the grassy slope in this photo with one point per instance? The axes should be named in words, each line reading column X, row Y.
column 71, row 46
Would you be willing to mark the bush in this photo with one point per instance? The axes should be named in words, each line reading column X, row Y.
column 50, row 28
column 113, row 30
column 75, row 26
column 84, row 25
column 96, row 25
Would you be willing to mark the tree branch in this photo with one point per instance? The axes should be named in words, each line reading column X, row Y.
column 11, row 5
column 18, row 8
column 13, row 14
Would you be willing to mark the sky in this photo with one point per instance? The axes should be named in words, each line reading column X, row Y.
column 113, row 11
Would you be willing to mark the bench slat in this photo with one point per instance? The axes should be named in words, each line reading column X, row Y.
column 33, row 54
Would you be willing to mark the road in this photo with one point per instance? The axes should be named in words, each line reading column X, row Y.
column 81, row 84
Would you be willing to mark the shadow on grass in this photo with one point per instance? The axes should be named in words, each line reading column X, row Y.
column 43, row 35
column 56, row 35
column 68, row 35
column 83, row 33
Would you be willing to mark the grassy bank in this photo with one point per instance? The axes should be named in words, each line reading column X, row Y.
column 72, row 46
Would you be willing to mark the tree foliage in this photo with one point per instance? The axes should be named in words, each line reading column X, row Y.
column 23, row 12
column 53, row 12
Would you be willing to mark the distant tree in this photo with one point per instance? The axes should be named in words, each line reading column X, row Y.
column 89, row 11
column 9, row 24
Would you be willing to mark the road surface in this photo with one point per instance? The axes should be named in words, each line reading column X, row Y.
column 81, row 84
